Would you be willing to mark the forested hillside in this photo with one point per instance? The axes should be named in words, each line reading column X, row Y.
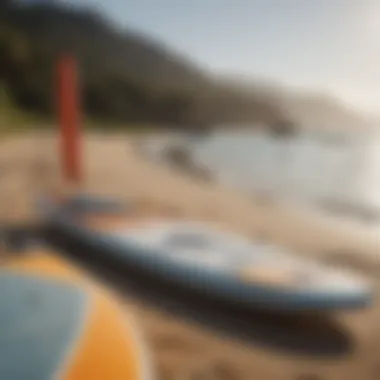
column 124, row 77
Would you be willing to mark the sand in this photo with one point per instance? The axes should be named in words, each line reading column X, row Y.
column 188, row 350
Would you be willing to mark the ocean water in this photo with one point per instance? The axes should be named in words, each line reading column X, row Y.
column 337, row 172
column 340, row 171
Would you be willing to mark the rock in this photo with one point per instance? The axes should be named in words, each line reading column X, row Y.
column 181, row 158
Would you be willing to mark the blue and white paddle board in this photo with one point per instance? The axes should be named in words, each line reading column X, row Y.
column 206, row 259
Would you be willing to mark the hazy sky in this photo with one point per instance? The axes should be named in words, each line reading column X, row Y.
column 331, row 45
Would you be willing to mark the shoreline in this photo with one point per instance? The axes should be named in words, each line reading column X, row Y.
column 294, row 226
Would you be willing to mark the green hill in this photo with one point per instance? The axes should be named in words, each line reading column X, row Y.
column 124, row 77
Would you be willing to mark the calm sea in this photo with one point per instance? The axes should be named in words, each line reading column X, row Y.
column 338, row 172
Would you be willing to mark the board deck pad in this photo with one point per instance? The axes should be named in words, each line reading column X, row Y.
column 199, row 245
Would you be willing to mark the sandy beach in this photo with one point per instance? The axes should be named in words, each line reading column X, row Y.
column 191, row 350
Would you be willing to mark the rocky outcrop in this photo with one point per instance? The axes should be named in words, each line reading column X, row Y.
column 180, row 157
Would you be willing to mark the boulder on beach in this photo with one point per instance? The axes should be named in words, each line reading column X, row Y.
column 180, row 157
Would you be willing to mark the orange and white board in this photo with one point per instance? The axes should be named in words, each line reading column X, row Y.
column 55, row 323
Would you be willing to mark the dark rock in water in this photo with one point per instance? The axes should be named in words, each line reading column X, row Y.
column 181, row 158
column 178, row 156
column 283, row 129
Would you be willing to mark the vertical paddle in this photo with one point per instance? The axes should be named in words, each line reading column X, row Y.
column 69, row 123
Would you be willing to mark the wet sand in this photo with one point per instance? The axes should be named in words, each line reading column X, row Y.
column 198, row 342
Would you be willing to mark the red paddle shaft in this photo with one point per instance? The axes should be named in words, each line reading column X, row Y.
column 69, row 119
